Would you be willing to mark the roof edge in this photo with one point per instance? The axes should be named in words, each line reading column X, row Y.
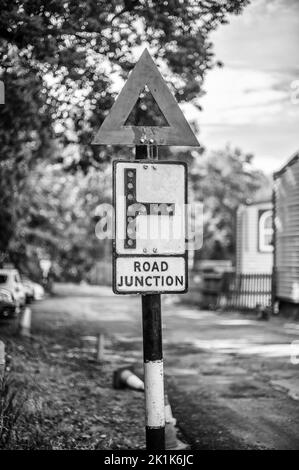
column 290, row 162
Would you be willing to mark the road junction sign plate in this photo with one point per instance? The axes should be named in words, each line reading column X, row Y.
column 149, row 249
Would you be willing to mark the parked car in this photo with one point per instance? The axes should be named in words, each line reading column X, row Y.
column 10, row 279
column 28, row 288
column 7, row 304
column 38, row 290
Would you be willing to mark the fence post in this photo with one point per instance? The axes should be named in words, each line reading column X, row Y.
column 25, row 322
column 100, row 347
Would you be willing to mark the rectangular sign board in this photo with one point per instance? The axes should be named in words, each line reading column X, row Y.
column 149, row 249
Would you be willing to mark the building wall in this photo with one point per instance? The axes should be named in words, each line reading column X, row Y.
column 249, row 258
column 287, row 232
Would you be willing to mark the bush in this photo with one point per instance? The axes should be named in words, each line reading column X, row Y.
column 11, row 403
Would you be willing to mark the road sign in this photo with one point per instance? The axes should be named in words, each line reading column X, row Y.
column 114, row 129
column 150, row 227
column 150, row 274
column 149, row 255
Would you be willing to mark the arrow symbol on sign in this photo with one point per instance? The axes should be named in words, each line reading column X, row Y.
column 134, row 208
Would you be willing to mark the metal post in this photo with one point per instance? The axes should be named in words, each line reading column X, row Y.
column 153, row 372
column 153, row 362
column 2, row 361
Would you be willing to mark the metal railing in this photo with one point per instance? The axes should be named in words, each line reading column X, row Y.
column 245, row 291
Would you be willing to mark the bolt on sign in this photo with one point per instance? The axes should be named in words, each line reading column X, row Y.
column 149, row 252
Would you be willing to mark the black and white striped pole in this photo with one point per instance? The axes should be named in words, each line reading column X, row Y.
column 153, row 372
column 153, row 362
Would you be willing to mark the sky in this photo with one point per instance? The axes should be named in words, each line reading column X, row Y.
column 253, row 101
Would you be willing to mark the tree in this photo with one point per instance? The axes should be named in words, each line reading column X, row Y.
column 60, row 221
column 58, row 63
column 223, row 180
column 61, row 218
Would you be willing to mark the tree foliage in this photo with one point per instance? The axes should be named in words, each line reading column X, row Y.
column 59, row 61
column 62, row 215
column 61, row 210
column 223, row 180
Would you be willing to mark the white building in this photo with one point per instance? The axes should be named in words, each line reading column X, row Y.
column 254, row 242
column 286, row 236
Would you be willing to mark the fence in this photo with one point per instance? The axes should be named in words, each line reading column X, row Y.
column 243, row 291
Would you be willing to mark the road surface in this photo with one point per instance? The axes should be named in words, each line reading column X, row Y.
column 233, row 381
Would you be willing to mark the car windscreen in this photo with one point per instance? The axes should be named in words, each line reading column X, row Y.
column 3, row 278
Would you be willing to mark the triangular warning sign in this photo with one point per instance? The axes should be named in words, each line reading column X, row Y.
column 113, row 131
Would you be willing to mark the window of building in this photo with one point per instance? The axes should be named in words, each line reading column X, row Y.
column 265, row 231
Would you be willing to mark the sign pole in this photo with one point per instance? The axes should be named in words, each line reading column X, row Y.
column 153, row 361
column 153, row 372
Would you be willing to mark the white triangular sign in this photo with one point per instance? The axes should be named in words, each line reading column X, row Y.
column 113, row 131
